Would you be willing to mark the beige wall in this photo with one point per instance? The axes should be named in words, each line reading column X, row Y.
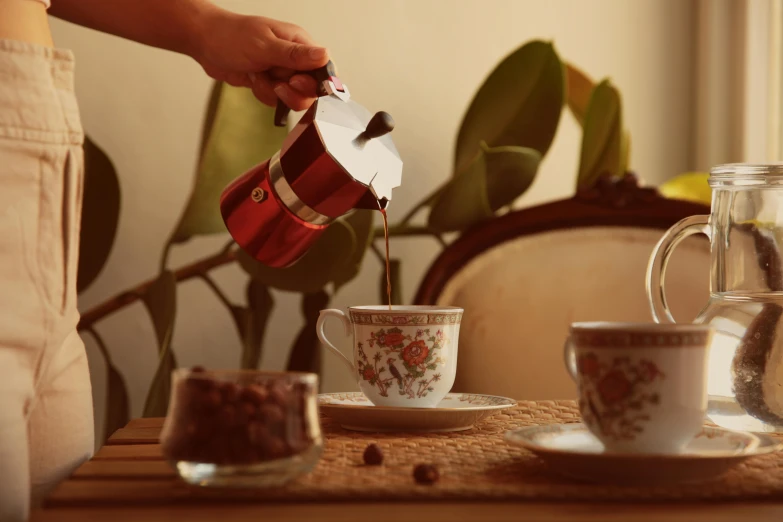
column 420, row 60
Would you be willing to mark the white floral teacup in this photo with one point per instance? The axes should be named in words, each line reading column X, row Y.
column 642, row 387
column 403, row 357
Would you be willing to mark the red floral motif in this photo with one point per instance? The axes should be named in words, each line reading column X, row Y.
column 415, row 353
column 614, row 387
column 648, row 371
column 616, row 393
column 400, row 320
column 411, row 370
column 588, row 365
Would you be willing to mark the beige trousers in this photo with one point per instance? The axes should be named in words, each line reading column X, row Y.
column 46, row 424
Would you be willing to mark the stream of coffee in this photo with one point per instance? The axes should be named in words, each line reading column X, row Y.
column 388, row 269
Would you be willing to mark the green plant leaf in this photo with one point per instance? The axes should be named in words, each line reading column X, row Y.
column 316, row 269
column 579, row 87
column 240, row 134
column 625, row 151
column 209, row 117
column 495, row 178
column 361, row 223
column 161, row 302
column 688, row 186
column 395, row 268
column 100, row 213
column 254, row 319
column 601, row 140
column 519, row 104
column 306, row 352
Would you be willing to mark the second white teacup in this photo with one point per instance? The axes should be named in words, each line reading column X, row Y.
column 642, row 387
column 403, row 357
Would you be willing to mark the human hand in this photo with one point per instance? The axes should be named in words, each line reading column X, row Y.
column 262, row 54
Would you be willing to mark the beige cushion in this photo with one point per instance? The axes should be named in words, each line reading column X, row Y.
column 520, row 297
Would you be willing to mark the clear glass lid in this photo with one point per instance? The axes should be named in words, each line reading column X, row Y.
column 744, row 174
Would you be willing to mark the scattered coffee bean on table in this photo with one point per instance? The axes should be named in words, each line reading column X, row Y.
column 426, row 474
column 373, row 456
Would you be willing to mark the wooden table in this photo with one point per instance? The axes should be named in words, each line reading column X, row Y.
column 115, row 466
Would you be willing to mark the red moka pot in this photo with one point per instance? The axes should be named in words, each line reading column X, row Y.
column 338, row 157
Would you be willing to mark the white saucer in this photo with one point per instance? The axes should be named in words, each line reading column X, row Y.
column 571, row 450
column 457, row 411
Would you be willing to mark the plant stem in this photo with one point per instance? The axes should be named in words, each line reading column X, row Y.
column 218, row 292
column 228, row 246
column 164, row 257
column 420, row 205
column 405, row 230
column 101, row 345
column 131, row 295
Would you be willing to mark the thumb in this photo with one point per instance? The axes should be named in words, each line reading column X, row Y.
column 297, row 56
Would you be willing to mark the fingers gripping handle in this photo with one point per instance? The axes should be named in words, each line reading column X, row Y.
column 319, row 328
column 656, row 268
column 327, row 72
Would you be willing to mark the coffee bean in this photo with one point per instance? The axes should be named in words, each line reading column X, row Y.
column 271, row 414
column 373, row 456
column 197, row 383
column 241, row 450
column 275, row 448
column 229, row 391
column 257, row 432
column 279, row 395
column 426, row 474
column 211, row 400
column 191, row 429
column 245, row 413
column 227, row 415
column 254, row 394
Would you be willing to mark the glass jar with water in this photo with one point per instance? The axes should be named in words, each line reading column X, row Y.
column 745, row 228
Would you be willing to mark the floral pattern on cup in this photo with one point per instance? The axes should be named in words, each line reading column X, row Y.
column 397, row 352
column 617, row 395
column 404, row 357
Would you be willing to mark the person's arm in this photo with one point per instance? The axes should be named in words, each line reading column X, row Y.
column 231, row 47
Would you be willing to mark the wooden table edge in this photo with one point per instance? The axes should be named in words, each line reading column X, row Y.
column 431, row 511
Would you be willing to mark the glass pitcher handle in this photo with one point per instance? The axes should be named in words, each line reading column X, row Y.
column 656, row 268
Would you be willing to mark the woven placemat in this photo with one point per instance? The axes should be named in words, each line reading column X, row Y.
column 479, row 464
column 476, row 464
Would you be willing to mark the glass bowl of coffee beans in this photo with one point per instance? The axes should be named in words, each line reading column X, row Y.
column 242, row 428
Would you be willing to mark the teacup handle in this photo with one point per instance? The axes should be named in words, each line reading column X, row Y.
column 656, row 268
column 319, row 329
column 569, row 358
